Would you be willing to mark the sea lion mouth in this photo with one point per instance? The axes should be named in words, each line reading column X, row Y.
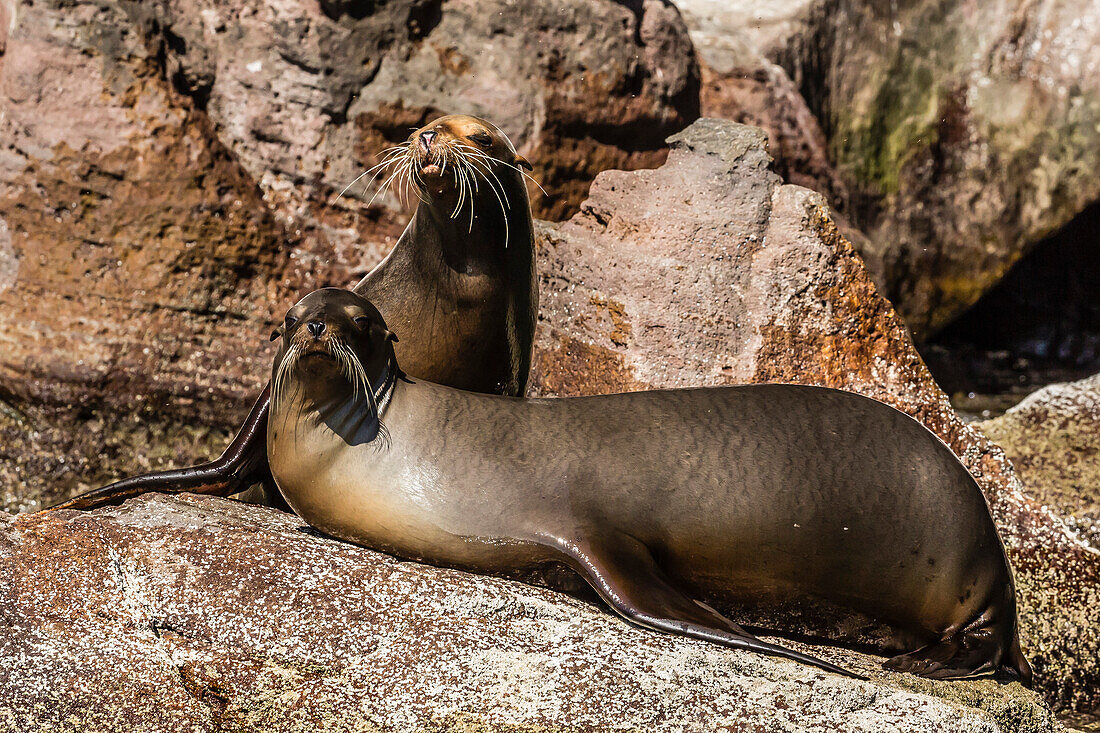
column 321, row 351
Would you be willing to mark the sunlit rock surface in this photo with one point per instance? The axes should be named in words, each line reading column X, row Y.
column 201, row 614
column 1053, row 439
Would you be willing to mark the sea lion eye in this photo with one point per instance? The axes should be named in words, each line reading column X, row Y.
column 361, row 321
column 290, row 322
column 482, row 139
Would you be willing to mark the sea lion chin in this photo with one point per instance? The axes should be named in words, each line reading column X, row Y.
column 670, row 504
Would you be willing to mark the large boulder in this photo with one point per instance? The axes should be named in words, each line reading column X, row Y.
column 1053, row 439
column 956, row 136
column 168, row 181
column 709, row 270
column 200, row 614
column 139, row 264
column 965, row 133
column 736, row 42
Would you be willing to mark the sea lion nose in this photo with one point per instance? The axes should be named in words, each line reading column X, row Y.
column 426, row 139
column 315, row 328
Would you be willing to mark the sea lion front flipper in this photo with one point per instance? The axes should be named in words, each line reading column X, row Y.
column 241, row 465
column 624, row 573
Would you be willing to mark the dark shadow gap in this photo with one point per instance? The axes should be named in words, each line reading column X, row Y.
column 1040, row 324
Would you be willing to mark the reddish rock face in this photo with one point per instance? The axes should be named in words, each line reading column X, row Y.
column 201, row 614
column 710, row 271
column 580, row 86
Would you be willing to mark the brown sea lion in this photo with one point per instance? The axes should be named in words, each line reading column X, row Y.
column 669, row 503
column 460, row 281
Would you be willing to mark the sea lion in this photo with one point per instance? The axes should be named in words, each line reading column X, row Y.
column 669, row 503
column 460, row 281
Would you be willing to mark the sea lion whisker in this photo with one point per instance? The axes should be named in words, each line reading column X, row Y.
column 351, row 368
column 476, row 189
column 357, row 375
column 407, row 181
column 480, row 160
column 483, row 164
column 384, row 186
column 389, row 156
column 290, row 360
column 496, row 193
column 463, row 186
column 524, row 174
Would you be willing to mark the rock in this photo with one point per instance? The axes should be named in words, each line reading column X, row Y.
column 1053, row 440
column 138, row 262
column 579, row 86
column 965, row 133
column 168, row 181
column 955, row 137
column 202, row 614
column 709, row 270
column 740, row 83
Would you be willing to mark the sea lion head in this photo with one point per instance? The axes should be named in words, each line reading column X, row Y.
column 459, row 165
column 333, row 339
column 446, row 148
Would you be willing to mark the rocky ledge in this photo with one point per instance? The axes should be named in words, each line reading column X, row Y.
column 202, row 614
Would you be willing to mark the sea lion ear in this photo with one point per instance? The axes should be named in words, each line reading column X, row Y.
column 391, row 336
column 523, row 162
column 276, row 334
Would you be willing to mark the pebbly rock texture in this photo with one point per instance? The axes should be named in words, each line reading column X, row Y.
column 965, row 133
column 710, row 271
column 168, row 181
column 201, row 614
column 1053, row 440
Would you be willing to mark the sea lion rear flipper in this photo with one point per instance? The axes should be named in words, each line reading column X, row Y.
column 974, row 651
column 956, row 657
column 624, row 573
column 241, row 465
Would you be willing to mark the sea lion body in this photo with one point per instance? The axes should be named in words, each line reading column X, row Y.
column 749, row 495
column 464, row 286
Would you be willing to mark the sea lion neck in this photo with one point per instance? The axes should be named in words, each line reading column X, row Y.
column 472, row 245
column 460, row 242
column 353, row 414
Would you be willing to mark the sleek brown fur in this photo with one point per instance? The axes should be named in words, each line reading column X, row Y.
column 460, row 282
column 757, row 494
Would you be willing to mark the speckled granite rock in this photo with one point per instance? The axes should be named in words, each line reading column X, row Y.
column 1053, row 440
column 709, row 270
column 200, row 614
